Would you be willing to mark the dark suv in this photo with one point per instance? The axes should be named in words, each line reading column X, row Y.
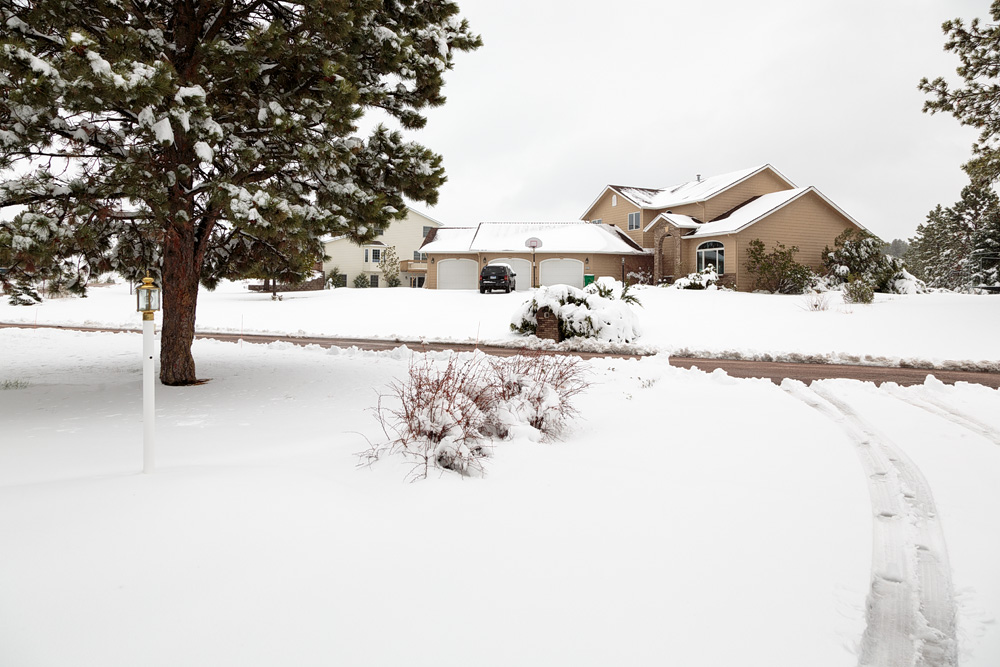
column 496, row 276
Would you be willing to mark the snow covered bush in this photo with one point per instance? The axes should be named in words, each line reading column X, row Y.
column 447, row 416
column 704, row 279
column 362, row 281
column 777, row 271
column 906, row 283
column 640, row 277
column 21, row 293
column 862, row 255
column 592, row 312
column 857, row 290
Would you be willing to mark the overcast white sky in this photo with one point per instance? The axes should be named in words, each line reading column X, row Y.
column 566, row 97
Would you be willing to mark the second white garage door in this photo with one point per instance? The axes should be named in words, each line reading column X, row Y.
column 458, row 274
column 522, row 267
column 561, row 272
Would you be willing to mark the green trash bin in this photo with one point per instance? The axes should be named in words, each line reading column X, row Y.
column 588, row 278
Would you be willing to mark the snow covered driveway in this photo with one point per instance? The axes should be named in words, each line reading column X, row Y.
column 688, row 517
column 911, row 607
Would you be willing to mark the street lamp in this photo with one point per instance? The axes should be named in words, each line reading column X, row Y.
column 147, row 303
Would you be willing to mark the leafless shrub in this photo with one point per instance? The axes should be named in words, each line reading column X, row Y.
column 447, row 415
column 539, row 388
column 817, row 301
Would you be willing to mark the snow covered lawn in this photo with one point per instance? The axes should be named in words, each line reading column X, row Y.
column 956, row 329
column 687, row 518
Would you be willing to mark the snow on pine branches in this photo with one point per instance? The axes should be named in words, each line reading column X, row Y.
column 448, row 415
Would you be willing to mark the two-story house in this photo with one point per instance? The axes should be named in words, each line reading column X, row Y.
column 712, row 220
column 406, row 236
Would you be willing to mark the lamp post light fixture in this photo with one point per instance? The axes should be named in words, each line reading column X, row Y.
column 147, row 303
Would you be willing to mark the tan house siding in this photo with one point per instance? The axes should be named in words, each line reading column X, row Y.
column 618, row 215
column 808, row 223
column 761, row 183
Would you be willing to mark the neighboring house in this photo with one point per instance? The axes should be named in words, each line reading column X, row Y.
column 571, row 253
column 405, row 235
column 711, row 221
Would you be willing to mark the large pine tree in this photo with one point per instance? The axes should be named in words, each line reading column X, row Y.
column 953, row 248
column 198, row 137
column 974, row 103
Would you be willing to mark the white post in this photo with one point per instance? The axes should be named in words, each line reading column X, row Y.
column 148, row 404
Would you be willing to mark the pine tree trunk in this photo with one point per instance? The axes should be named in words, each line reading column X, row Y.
column 180, row 300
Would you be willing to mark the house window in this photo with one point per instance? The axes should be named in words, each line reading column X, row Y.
column 366, row 255
column 376, row 255
column 373, row 280
column 598, row 221
column 419, row 256
column 427, row 230
column 712, row 253
column 634, row 220
column 339, row 280
column 614, row 200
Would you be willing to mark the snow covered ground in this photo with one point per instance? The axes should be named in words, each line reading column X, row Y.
column 686, row 518
column 940, row 328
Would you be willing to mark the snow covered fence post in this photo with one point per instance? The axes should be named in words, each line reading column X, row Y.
column 147, row 303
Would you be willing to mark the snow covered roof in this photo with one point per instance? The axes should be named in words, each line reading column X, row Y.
column 449, row 239
column 562, row 237
column 689, row 192
column 677, row 220
column 746, row 215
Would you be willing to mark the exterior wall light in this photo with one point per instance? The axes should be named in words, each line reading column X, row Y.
column 147, row 303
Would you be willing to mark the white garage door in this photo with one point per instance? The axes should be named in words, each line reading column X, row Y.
column 522, row 267
column 561, row 272
column 458, row 274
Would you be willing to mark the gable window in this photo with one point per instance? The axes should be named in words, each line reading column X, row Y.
column 712, row 253
column 614, row 200
column 634, row 220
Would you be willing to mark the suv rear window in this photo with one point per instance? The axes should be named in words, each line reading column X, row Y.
column 494, row 270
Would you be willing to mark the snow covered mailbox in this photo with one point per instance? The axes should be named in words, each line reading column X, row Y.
column 547, row 324
column 601, row 311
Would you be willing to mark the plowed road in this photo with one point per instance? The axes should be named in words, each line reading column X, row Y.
column 772, row 370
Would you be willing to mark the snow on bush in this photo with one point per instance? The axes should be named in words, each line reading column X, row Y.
column 906, row 283
column 704, row 279
column 858, row 291
column 592, row 312
column 447, row 416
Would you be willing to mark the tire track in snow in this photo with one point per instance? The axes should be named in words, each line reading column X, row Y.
column 910, row 610
column 941, row 409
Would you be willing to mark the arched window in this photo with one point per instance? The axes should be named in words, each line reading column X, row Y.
column 712, row 253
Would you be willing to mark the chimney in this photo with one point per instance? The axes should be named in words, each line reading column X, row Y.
column 698, row 177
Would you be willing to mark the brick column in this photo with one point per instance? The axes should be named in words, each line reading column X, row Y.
column 548, row 324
